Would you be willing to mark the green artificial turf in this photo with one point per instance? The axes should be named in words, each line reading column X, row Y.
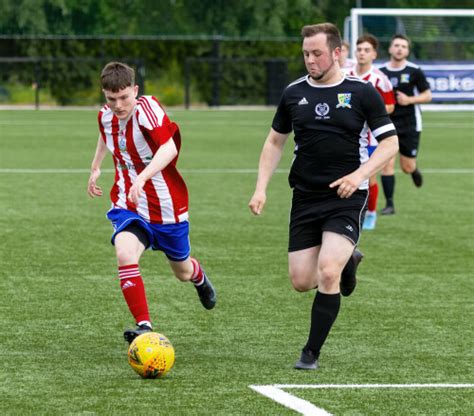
column 62, row 312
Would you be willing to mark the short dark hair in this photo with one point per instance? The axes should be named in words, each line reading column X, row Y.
column 400, row 36
column 332, row 34
column 369, row 39
column 116, row 76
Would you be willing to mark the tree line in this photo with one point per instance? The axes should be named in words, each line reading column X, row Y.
column 160, row 33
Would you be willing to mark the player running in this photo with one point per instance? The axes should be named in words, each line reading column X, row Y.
column 366, row 53
column 411, row 89
column 328, row 114
column 149, row 196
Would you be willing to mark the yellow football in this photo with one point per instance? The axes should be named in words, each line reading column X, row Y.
column 151, row 355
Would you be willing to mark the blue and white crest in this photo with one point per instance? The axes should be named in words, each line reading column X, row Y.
column 321, row 109
column 122, row 142
column 344, row 100
column 404, row 78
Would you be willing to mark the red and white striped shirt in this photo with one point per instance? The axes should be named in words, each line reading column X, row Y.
column 379, row 80
column 133, row 143
column 381, row 83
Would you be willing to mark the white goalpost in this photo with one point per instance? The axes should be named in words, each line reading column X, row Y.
column 442, row 44
column 357, row 27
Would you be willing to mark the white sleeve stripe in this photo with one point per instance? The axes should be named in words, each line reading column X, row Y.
column 157, row 110
column 146, row 116
column 383, row 129
column 149, row 113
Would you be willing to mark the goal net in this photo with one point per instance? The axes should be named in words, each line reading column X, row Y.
column 442, row 43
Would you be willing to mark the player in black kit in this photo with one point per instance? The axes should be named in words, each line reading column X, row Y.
column 329, row 115
column 411, row 89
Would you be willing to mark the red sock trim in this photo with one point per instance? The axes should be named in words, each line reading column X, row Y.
column 129, row 271
column 373, row 196
column 133, row 291
column 197, row 272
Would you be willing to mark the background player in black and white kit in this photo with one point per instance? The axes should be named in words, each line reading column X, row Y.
column 329, row 115
column 411, row 89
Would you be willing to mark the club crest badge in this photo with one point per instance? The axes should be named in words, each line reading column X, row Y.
column 404, row 78
column 122, row 141
column 344, row 100
column 122, row 144
column 321, row 109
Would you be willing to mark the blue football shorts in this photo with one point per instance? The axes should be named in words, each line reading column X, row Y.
column 371, row 149
column 171, row 239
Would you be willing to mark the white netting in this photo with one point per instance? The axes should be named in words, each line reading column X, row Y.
column 435, row 34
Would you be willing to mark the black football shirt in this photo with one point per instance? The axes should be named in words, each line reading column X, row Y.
column 410, row 80
column 330, row 124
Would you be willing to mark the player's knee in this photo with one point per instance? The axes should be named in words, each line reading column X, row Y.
column 300, row 282
column 407, row 164
column 183, row 270
column 300, row 286
column 183, row 275
column 126, row 256
column 328, row 275
column 409, row 168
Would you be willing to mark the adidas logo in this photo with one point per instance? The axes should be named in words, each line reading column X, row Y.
column 127, row 285
column 303, row 101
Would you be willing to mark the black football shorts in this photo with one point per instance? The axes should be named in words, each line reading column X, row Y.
column 312, row 213
column 408, row 136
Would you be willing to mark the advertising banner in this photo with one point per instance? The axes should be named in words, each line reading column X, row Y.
column 450, row 81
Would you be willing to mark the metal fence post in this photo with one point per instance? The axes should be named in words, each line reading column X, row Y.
column 37, row 85
column 187, row 82
column 216, row 72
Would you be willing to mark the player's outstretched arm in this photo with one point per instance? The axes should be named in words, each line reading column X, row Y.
column 162, row 158
column 269, row 159
column 92, row 188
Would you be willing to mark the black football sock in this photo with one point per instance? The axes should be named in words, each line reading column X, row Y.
column 388, row 185
column 323, row 314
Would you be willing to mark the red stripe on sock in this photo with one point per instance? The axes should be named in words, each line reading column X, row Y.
column 198, row 275
column 129, row 273
column 128, row 266
column 133, row 291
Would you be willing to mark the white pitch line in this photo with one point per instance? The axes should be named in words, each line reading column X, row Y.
column 207, row 171
column 288, row 400
column 376, row 386
column 47, row 171
column 276, row 393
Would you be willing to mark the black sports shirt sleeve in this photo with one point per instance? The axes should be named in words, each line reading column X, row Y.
column 282, row 120
column 376, row 115
column 420, row 81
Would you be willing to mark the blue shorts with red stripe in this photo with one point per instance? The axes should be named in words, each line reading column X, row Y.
column 171, row 239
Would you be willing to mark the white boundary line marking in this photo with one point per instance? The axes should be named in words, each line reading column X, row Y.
column 288, row 400
column 275, row 393
column 377, row 386
column 455, row 171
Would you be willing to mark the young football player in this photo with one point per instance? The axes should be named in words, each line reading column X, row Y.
column 149, row 197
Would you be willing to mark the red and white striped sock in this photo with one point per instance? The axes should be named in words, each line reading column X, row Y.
column 133, row 291
column 198, row 274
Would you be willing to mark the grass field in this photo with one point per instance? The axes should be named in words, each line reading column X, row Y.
column 410, row 321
